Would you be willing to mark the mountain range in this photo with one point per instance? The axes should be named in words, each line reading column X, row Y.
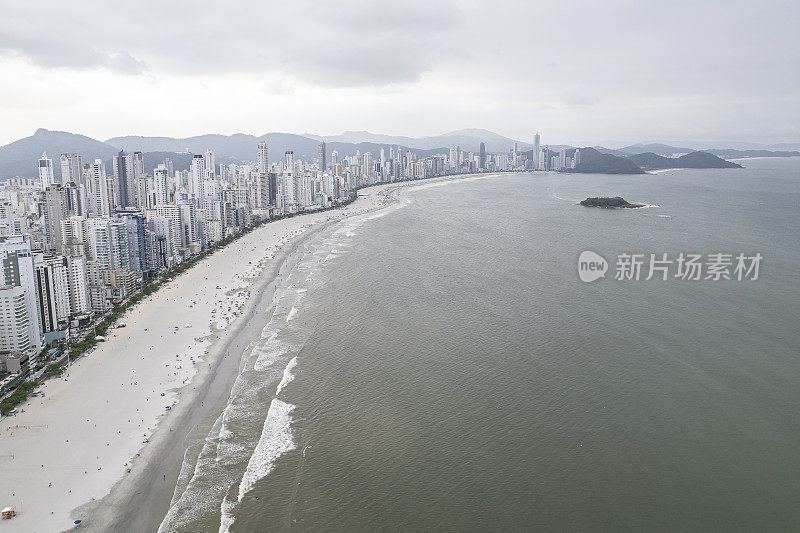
column 651, row 161
column 468, row 140
column 19, row 158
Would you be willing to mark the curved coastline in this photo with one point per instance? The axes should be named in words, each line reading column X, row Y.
column 196, row 392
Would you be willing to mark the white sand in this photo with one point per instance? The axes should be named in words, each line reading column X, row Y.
column 92, row 423
column 84, row 433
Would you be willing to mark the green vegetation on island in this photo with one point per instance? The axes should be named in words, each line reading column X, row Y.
column 594, row 162
column 608, row 202
column 651, row 161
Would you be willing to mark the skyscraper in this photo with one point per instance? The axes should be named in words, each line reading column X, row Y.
column 161, row 184
column 198, row 175
column 483, row 156
column 262, row 183
column 263, row 160
column 322, row 156
column 536, row 142
column 17, row 270
column 56, row 210
column 77, row 285
column 51, row 290
column 126, row 184
column 15, row 329
column 209, row 163
column 138, row 165
column 71, row 168
column 98, row 189
column 46, row 177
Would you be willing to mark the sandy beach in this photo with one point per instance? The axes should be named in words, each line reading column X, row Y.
column 137, row 399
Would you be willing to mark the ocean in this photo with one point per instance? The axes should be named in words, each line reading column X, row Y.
column 440, row 366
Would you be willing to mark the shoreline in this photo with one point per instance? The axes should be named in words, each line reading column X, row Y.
column 201, row 349
column 120, row 509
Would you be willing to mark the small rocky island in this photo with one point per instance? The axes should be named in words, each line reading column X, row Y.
column 608, row 203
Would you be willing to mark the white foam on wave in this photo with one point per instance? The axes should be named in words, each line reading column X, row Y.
column 276, row 439
column 269, row 353
column 226, row 515
column 224, row 432
column 557, row 197
column 287, row 375
column 292, row 312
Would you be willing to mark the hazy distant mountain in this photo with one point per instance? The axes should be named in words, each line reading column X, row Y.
column 308, row 149
column 468, row 140
column 241, row 147
column 604, row 150
column 238, row 145
column 651, row 161
column 19, row 158
column 656, row 148
column 595, row 162
column 733, row 154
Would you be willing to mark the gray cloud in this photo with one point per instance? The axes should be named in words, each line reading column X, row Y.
column 347, row 43
column 626, row 65
column 124, row 63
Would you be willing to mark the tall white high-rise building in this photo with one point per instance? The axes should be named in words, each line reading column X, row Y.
column 262, row 190
column 17, row 269
column 56, row 210
column 209, row 164
column 197, row 176
column 46, row 177
column 263, row 159
column 78, row 290
column 107, row 243
column 138, row 165
column 72, row 236
column 188, row 220
column 17, row 322
column 161, row 184
column 168, row 225
column 71, row 169
column 97, row 189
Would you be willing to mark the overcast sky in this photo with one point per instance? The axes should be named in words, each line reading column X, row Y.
column 580, row 72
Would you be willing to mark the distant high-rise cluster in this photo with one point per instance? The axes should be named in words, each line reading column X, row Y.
column 73, row 245
column 545, row 158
